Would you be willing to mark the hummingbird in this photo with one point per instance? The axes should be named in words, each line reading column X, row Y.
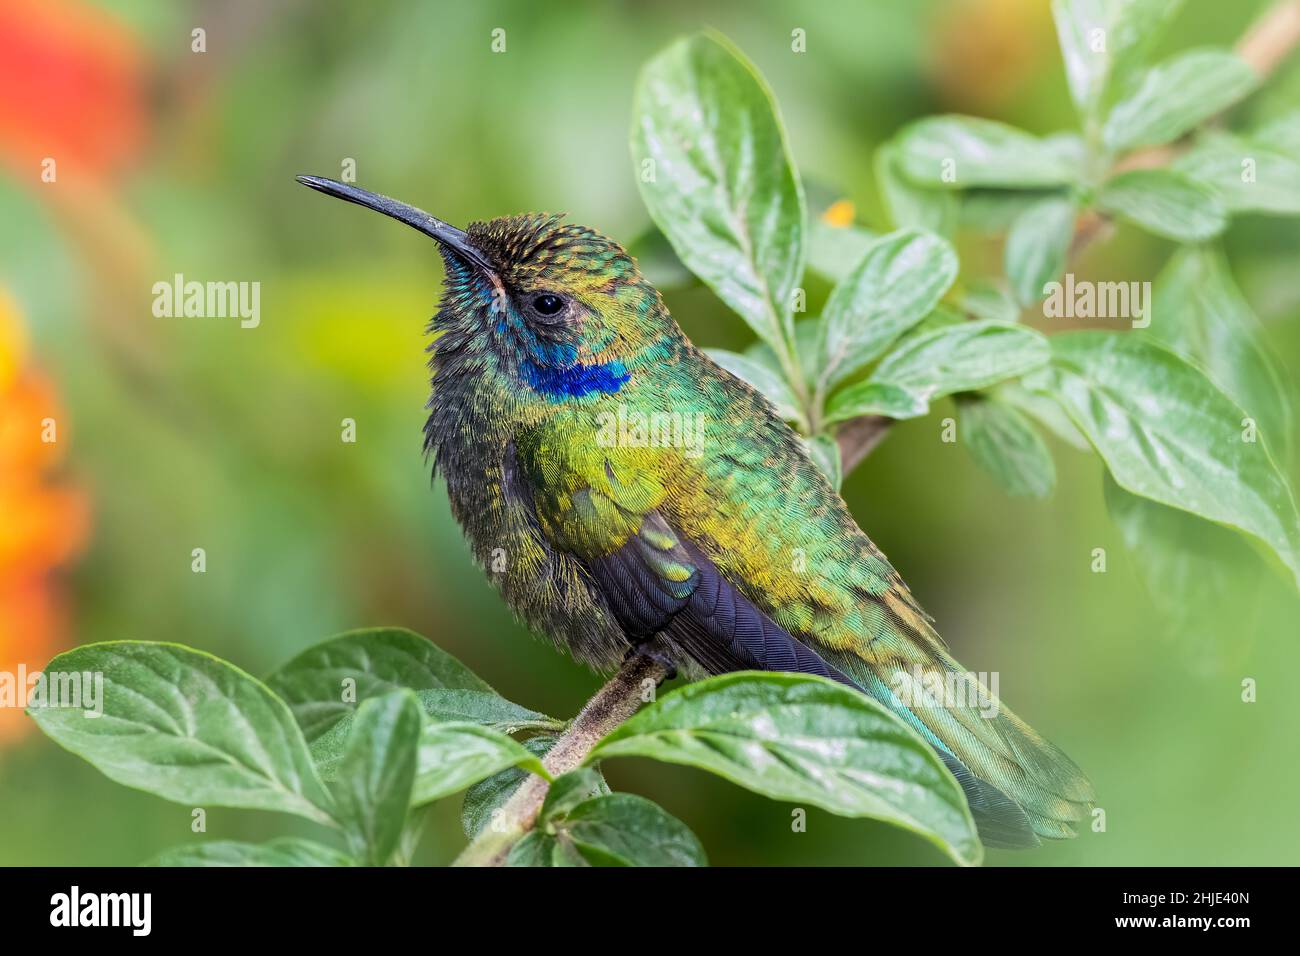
column 626, row 494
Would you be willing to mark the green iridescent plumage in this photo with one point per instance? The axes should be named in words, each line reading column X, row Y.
column 616, row 484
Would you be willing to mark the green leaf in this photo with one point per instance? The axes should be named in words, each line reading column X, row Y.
column 1246, row 175
column 1069, row 148
column 1165, row 202
column 484, row 798
column 1037, row 246
column 960, row 152
column 568, row 790
column 1005, row 444
column 938, row 362
column 833, row 251
column 658, row 261
column 1281, row 134
column 440, row 706
column 370, row 663
column 962, row 358
column 944, row 315
column 188, row 727
column 1080, row 25
column 452, row 756
column 1103, row 41
column 327, row 750
column 1199, row 313
column 535, row 849
column 764, row 379
column 409, row 841
column 1176, row 96
column 280, row 852
column 1043, row 409
column 1199, row 575
column 623, row 829
column 619, row 829
column 807, row 341
column 1169, row 434
column 806, row 740
column 993, row 211
column 875, row 398
column 486, row 708
column 376, row 774
column 899, row 280
column 825, row 453
column 722, row 186
column 984, row 300
column 911, row 206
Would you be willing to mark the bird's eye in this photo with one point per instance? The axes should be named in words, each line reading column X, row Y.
column 547, row 304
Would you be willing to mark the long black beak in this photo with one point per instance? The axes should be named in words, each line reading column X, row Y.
column 451, row 237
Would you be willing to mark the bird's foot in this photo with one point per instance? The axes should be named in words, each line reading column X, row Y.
column 649, row 649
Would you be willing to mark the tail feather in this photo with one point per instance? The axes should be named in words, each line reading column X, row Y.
column 1001, row 821
column 1020, row 787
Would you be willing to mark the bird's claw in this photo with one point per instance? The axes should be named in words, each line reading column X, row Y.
column 649, row 650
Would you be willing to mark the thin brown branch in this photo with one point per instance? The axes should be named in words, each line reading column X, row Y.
column 859, row 437
column 1271, row 38
column 614, row 703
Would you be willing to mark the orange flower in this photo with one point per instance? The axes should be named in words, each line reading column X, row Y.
column 986, row 51
column 74, row 82
column 42, row 523
column 840, row 213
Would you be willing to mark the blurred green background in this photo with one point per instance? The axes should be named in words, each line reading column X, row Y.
column 184, row 433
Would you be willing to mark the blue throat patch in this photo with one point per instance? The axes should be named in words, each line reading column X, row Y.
column 576, row 380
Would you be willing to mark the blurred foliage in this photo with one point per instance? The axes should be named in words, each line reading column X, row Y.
column 193, row 433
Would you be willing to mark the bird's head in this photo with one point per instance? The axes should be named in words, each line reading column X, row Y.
column 560, row 306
